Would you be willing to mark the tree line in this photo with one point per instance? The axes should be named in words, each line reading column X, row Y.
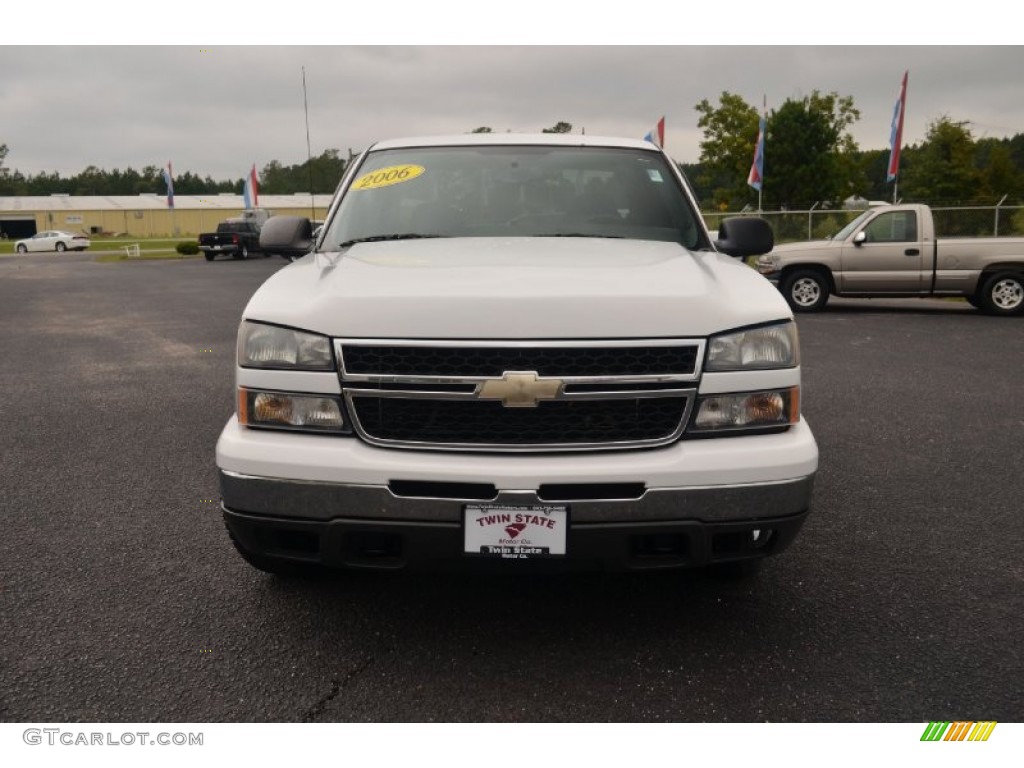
column 322, row 173
column 810, row 158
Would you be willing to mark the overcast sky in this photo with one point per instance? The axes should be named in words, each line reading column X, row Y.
column 217, row 110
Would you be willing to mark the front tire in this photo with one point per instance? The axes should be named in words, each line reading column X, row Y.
column 22, row 249
column 806, row 290
column 1003, row 294
column 60, row 247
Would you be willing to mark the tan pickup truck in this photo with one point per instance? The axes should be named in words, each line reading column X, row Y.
column 892, row 251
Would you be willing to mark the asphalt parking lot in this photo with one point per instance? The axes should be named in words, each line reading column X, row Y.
column 121, row 598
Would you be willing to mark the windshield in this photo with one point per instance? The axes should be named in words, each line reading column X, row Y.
column 513, row 191
column 846, row 231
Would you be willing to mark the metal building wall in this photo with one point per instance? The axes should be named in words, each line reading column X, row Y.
column 143, row 223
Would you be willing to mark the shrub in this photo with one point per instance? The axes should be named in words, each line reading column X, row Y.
column 187, row 248
column 1016, row 227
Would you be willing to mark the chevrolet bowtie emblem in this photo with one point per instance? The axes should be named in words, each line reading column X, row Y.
column 520, row 389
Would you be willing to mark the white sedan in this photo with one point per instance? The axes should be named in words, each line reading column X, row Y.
column 52, row 241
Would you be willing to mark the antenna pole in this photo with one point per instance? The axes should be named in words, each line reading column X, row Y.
column 309, row 152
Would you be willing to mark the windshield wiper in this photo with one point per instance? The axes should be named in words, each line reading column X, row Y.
column 381, row 238
column 577, row 234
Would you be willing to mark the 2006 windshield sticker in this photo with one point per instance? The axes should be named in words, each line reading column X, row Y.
column 385, row 177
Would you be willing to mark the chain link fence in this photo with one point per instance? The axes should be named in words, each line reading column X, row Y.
column 817, row 224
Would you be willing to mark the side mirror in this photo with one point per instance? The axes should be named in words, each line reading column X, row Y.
column 860, row 237
column 713, row 234
column 745, row 236
column 288, row 236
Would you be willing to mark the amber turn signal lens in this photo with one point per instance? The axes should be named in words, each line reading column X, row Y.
column 773, row 408
column 282, row 410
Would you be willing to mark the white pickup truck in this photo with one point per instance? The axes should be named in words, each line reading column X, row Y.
column 513, row 351
column 892, row 251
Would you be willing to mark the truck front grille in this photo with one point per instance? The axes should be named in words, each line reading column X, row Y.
column 452, row 395
column 463, row 361
column 559, row 423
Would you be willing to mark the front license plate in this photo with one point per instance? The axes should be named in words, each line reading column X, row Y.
column 516, row 532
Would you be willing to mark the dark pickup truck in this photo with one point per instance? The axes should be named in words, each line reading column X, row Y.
column 236, row 238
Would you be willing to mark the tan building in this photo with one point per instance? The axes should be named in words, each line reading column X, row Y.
column 141, row 216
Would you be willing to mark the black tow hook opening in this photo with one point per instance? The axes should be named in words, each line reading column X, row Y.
column 373, row 545
column 289, row 541
column 660, row 546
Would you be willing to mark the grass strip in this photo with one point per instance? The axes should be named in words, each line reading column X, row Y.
column 107, row 258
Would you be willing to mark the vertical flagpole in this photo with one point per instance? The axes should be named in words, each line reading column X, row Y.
column 170, row 175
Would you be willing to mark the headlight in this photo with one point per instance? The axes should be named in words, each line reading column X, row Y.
column 749, row 410
column 772, row 346
column 282, row 410
column 269, row 346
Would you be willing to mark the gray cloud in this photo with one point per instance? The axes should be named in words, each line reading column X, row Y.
column 218, row 110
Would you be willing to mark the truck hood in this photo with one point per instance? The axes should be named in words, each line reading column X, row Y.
column 516, row 288
column 794, row 249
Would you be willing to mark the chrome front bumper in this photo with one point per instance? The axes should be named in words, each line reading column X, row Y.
column 435, row 502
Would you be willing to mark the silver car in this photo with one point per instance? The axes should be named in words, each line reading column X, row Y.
column 53, row 240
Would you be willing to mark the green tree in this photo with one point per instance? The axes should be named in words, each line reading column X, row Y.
column 942, row 169
column 328, row 169
column 559, row 127
column 12, row 183
column 1016, row 147
column 872, row 165
column 91, row 181
column 213, row 187
column 273, row 178
column 188, row 183
column 809, row 152
column 8, row 184
column 45, row 184
column 999, row 175
column 809, row 155
column 727, row 149
column 322, row 173
column 482, row 129
column 151, row 180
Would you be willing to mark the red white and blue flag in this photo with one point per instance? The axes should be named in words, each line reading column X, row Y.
column 657, row 134
column 169, row 181
column 251, row 190
column 896, row 132
column 756, row 176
